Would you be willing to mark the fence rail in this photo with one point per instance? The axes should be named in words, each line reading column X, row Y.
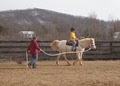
column 105, row 49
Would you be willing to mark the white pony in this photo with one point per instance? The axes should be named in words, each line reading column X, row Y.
column 60, row 45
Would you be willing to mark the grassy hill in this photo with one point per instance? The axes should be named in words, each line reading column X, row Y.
column 49, row 25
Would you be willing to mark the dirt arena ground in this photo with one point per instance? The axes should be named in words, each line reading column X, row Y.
column 92, row 73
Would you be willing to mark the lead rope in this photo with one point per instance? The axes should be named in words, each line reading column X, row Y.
column 63, row 52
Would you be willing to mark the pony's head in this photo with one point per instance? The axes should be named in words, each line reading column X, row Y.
column 88, row 42
column 92, row 44
column 53, row 45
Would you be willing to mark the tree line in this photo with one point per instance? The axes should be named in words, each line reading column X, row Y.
column 49, row 25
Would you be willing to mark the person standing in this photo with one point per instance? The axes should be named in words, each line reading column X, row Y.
column 33, row 49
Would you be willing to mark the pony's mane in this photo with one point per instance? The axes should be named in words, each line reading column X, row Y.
column 85, row 39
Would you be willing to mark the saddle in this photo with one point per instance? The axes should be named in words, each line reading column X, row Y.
column 69, row 42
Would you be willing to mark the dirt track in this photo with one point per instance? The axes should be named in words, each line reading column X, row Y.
column 92, row 73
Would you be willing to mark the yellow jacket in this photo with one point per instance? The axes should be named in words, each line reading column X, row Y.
column 72, row 36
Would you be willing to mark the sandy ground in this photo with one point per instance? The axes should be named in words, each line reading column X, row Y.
column 92, row 73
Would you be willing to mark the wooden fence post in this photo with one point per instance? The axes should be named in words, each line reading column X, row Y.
column 111, row 48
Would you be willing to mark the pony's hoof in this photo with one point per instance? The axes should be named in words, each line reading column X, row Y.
column 57, row 63
column 73, row 63
column 81, row 64
column 68, row 64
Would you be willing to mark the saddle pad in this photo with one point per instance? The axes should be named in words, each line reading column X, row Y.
column 70, row 43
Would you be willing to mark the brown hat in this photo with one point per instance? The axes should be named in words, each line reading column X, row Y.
column 34, row 37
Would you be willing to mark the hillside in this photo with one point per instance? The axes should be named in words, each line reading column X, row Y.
column 47, row 23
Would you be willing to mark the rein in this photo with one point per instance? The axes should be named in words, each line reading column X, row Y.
column 87, row 49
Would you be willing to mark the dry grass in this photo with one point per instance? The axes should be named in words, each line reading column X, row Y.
column 92, row 73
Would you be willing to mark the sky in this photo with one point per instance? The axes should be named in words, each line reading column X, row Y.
column 103, row 9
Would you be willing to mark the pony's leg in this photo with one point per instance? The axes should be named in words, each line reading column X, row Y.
column 80, row 59
column 77, row 54
column 58, row 57
column 66, row 59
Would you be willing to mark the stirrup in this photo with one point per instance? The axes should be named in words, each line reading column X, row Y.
column 73, row 49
